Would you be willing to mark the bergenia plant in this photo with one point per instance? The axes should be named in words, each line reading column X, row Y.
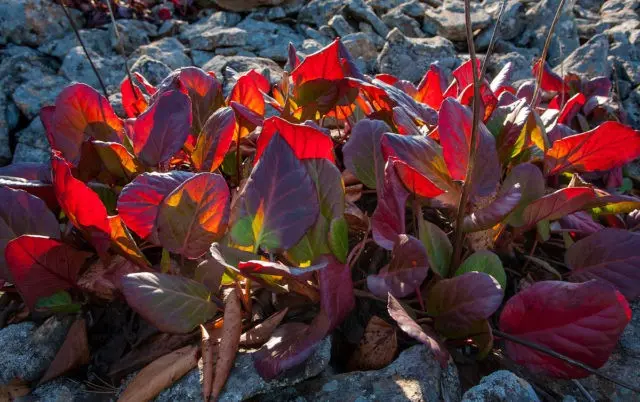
column 348, row 187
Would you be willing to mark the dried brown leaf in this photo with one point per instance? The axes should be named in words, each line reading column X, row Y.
column 261, row 333
column 160, row 374
column 377, row 348
column 207, row 363
column 73, row 353
column 231, row 330
column 15, row 389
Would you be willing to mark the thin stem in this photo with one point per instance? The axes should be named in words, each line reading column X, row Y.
column 238, row 167
column 126, row 66
column 545, row 50
column 493, row 40
column 564, row 358
column 466, row 186
column 86, row 52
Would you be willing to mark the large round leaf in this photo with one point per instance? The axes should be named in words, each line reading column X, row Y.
column 194, row 215
column 172, row 303
column 487, row 262
column 363, row 153
column 214, row 140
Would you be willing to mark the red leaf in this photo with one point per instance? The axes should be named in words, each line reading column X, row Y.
column 248, row 90
column 42, row 190
column 501, row 80
column 140, row 200
column 423, row 334
column 607, row 146
column 324, row 64
column 464, row 74
column 336, row 291
column 214, row 141
column 278, row 268
column 551, row 81
column 459, row 302
column 454, row 127
column 305, row 141
column 22, row 213
column 581, row 321
column 81, row 205
column 571, row 108
column 488, row 99
column 431, row 87
column 134, row 101
column 41, row 266
column 405, row 273
column 162, row 130
column 556, row 205
column 362, row 153
column 609, row 255
column 388, row 218
column 80, row 113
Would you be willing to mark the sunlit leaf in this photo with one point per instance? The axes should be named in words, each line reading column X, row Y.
column 557, row 204
column 486, row 262
column 118, row 161
column 214, row 141
column 123, row 243
column 134, row 101
column 431, row 87
column 59, row 302
column 362, row 152
column 532, row 187
column 248, row 89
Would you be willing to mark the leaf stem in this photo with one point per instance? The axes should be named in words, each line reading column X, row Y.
column 564, row 358
column 466, row 186
column 86, row 52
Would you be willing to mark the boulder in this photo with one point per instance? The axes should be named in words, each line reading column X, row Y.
column 219, row 37
column 32, row 95
column 76, row 67
column 220, row 19
column 409, row 58
column 501, row 386
column 397, row 18
column 98, row 40
column 268, row 39
column 131, row 35
column 153, row 70
column 32, row 144
column 167, row 50
column 565, row 36
column 361, row 11
column 5, row 149
column 589, row 60
column 340, row 25
column 246, row 5
column 363, row 49
column 449, row 19
column 319, row 12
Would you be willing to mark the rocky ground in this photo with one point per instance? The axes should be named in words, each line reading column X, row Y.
column 39, row 55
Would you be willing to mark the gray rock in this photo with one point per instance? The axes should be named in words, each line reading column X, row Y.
column 153, row 70
column 219, row 37
column 309, row 46
column 34, row 22
column 233, row 51
column 319, row 12
column 512, row 22
column 340, row 25
column 397, row 18
column 414, row 376
column 363, row 49
column 382, row 6
column 132, row 34
column 413, row 8
column 220, row 19
column 170, row 28
column 501, row 386
column 76, row 67
column 61, row 390
column 116, row 103
column 27, row 153
column 360, row 10
column 450, row 19
column 246, row 5
column 28, row 350
column 5, row 149
column 34, row 136
column 32, row 95
column 19, row 64
column 268, row 14
column 626, row 57
column 521, row 65
column 315, row 34
column 565, row 37
column 329, row 32
column 167, row 50
column 409, row 58
column 589, row 59
column 632, row 108
column 220, row 64
column 200, row 58
column 98, row 40
column 268, row 39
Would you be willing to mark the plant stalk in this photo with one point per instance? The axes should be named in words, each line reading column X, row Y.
column 86, row 52
column 494, row 35
column 564, row 358
column 466, row 185
column 126, row 66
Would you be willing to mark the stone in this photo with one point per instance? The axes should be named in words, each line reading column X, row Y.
column 170, row 28
column 20, row 63
column 61, row 390
column 396, row 18
column 382, row 6
column 132, row 34
column 413, row 8
column 34, row 136
column 565, row 36
column 589, row 59
column 219, row 37
column 626, row 57
column 329, row 32
column 76, row 67
column 521, row 65
column 98, row 40
column 363, row 49
column 219, row 64
column 116, row 103
column 153, row 70
column 269, row 40
column 501, row 386
column 167, row 50
column 309, row 46
column 32, row 95
column 219, row 19
column 200, row 58
column 315, row 34
column 449, row 19
column 340, row 25
column 512, row 21
column 319, row 12
column 5, row 146
column 34, row 22
column 246, row 5
column 409, row 58
column 360, row 10
column 414, row 376
column 233, row 51
column 27, row 349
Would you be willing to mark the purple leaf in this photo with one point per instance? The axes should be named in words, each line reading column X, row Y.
column 556, row 205
column 495, row 212
column 388, row 218
column 362, row 153
column 336, row 291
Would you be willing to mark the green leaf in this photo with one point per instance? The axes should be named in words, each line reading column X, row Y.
column 487, row 262
column 173, row 304
column 339, row 239
column 59, row 302
column 438, row 246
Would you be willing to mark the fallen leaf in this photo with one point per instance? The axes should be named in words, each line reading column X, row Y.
column 262, row 332
column 208, row 362
column 73, row 353
column 377, row 348
column 14, row 390
column 231, row 330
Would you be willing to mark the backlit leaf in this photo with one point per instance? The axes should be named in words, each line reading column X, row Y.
column 362, row 152
column 173, row 304
column 609, row 255
column 22, row 213
column 405, row 273
column 124, row 244
column 582, row 321
column 134, row 100
column 278, row 203
column 324, row 64
column 59, row 302
column 140, row 200
column 247, row 91
column 431, row 87
column 194, row 215
column 487, row 262
column 118, row 161
column 571, row 108
column 607, row 146
column 557, row 204
column 551, row 81
column 161, row 130
column 41, row 266
column 214, row 141
column 388, row 218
